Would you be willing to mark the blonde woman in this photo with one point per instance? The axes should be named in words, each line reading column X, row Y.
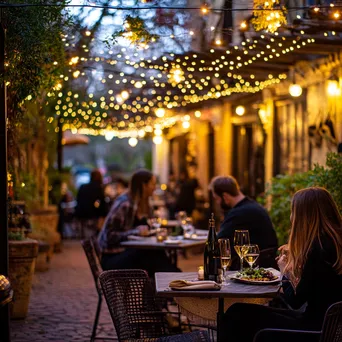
column 312, row 264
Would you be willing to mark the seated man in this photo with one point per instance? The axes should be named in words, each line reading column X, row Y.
column 242, row 213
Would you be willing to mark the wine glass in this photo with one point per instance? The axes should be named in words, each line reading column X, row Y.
column 251, row 254
column 188, row 228
column 155, row 222
column 226, row 257
column 241, row 238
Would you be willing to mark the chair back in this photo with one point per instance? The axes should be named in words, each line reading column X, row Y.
column 332, row 325
column 132, row 304
column 93, row 261
column 96, row 246
column 267, row 258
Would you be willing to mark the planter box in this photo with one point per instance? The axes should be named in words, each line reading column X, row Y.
column 44, row 227
column 22, row 257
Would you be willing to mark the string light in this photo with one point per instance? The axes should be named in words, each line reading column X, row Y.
column 160, row 112
column 171, row 82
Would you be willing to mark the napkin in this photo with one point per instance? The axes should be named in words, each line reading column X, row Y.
column 194, row 285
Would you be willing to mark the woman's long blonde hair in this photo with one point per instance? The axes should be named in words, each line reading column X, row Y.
column 314, row 213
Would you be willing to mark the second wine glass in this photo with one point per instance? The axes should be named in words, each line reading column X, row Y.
column 226, row 257
column 251, row 253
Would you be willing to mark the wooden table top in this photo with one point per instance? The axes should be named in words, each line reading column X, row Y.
column 151, row 243
column 233, row 290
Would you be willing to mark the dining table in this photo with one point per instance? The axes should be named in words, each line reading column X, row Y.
column 195, row 301
column 172, row 245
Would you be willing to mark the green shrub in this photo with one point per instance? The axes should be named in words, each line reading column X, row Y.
column 283, row 187
column 16, row 236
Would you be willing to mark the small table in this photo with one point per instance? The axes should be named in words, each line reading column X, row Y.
column 233, row 290
column 151, row 243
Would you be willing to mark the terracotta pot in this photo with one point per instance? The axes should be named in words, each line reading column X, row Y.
column 22, row 257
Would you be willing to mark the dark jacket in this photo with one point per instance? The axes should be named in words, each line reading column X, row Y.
column 91, row 201
column 320, row 286
column 248, row 215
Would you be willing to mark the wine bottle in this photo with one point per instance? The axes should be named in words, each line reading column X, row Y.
column 212, row 255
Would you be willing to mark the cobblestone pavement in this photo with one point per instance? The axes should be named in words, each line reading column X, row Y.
column 63, row 300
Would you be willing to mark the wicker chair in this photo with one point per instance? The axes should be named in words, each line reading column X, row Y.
column 96, row 270
column 135, row 311
column 331, row 330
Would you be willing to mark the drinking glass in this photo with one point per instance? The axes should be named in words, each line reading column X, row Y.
column 226, row 257
column 155, row 222
column 241, row 238
column 251, row 254
column 181, row 217
column 188, row 228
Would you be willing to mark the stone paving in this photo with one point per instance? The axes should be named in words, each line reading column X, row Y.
column 63, row 300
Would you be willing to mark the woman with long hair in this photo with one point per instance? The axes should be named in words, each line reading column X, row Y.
column 312, row 265
column 128, row 216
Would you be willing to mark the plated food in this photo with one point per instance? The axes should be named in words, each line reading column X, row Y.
column 257, row 275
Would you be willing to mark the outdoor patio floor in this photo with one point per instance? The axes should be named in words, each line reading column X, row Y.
column 63, row 300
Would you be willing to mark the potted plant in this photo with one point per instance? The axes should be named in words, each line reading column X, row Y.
column 22, row 256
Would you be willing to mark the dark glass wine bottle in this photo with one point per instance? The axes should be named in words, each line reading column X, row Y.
column 212, row 255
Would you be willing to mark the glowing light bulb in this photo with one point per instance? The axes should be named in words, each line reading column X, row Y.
column 160, row 112
column 198, row 114
column 133, row 141
column 240, row 110
column 333, row 88
column 295, row 90
column 109, row 136
column 125, row 94
column 243, row 25
column 157, row 139
column 186, row 124
column 204, row 10
column 138, row 84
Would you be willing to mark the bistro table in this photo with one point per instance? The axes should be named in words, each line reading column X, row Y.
column 171, row 249
column 233, row 291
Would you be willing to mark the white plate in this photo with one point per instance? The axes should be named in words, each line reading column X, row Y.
column 255, row 282
column 196, row 238
column 172, row 242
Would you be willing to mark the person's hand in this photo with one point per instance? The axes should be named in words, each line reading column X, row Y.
column 282, row 262
column 143, row 230
column 284, row 249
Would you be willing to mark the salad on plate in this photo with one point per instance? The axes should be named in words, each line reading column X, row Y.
column 257, row 275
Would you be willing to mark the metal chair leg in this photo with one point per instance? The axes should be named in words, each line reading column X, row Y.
column 96, row 321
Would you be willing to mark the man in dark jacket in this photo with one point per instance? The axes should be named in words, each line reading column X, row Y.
column 91, row 207
column 243, row 213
